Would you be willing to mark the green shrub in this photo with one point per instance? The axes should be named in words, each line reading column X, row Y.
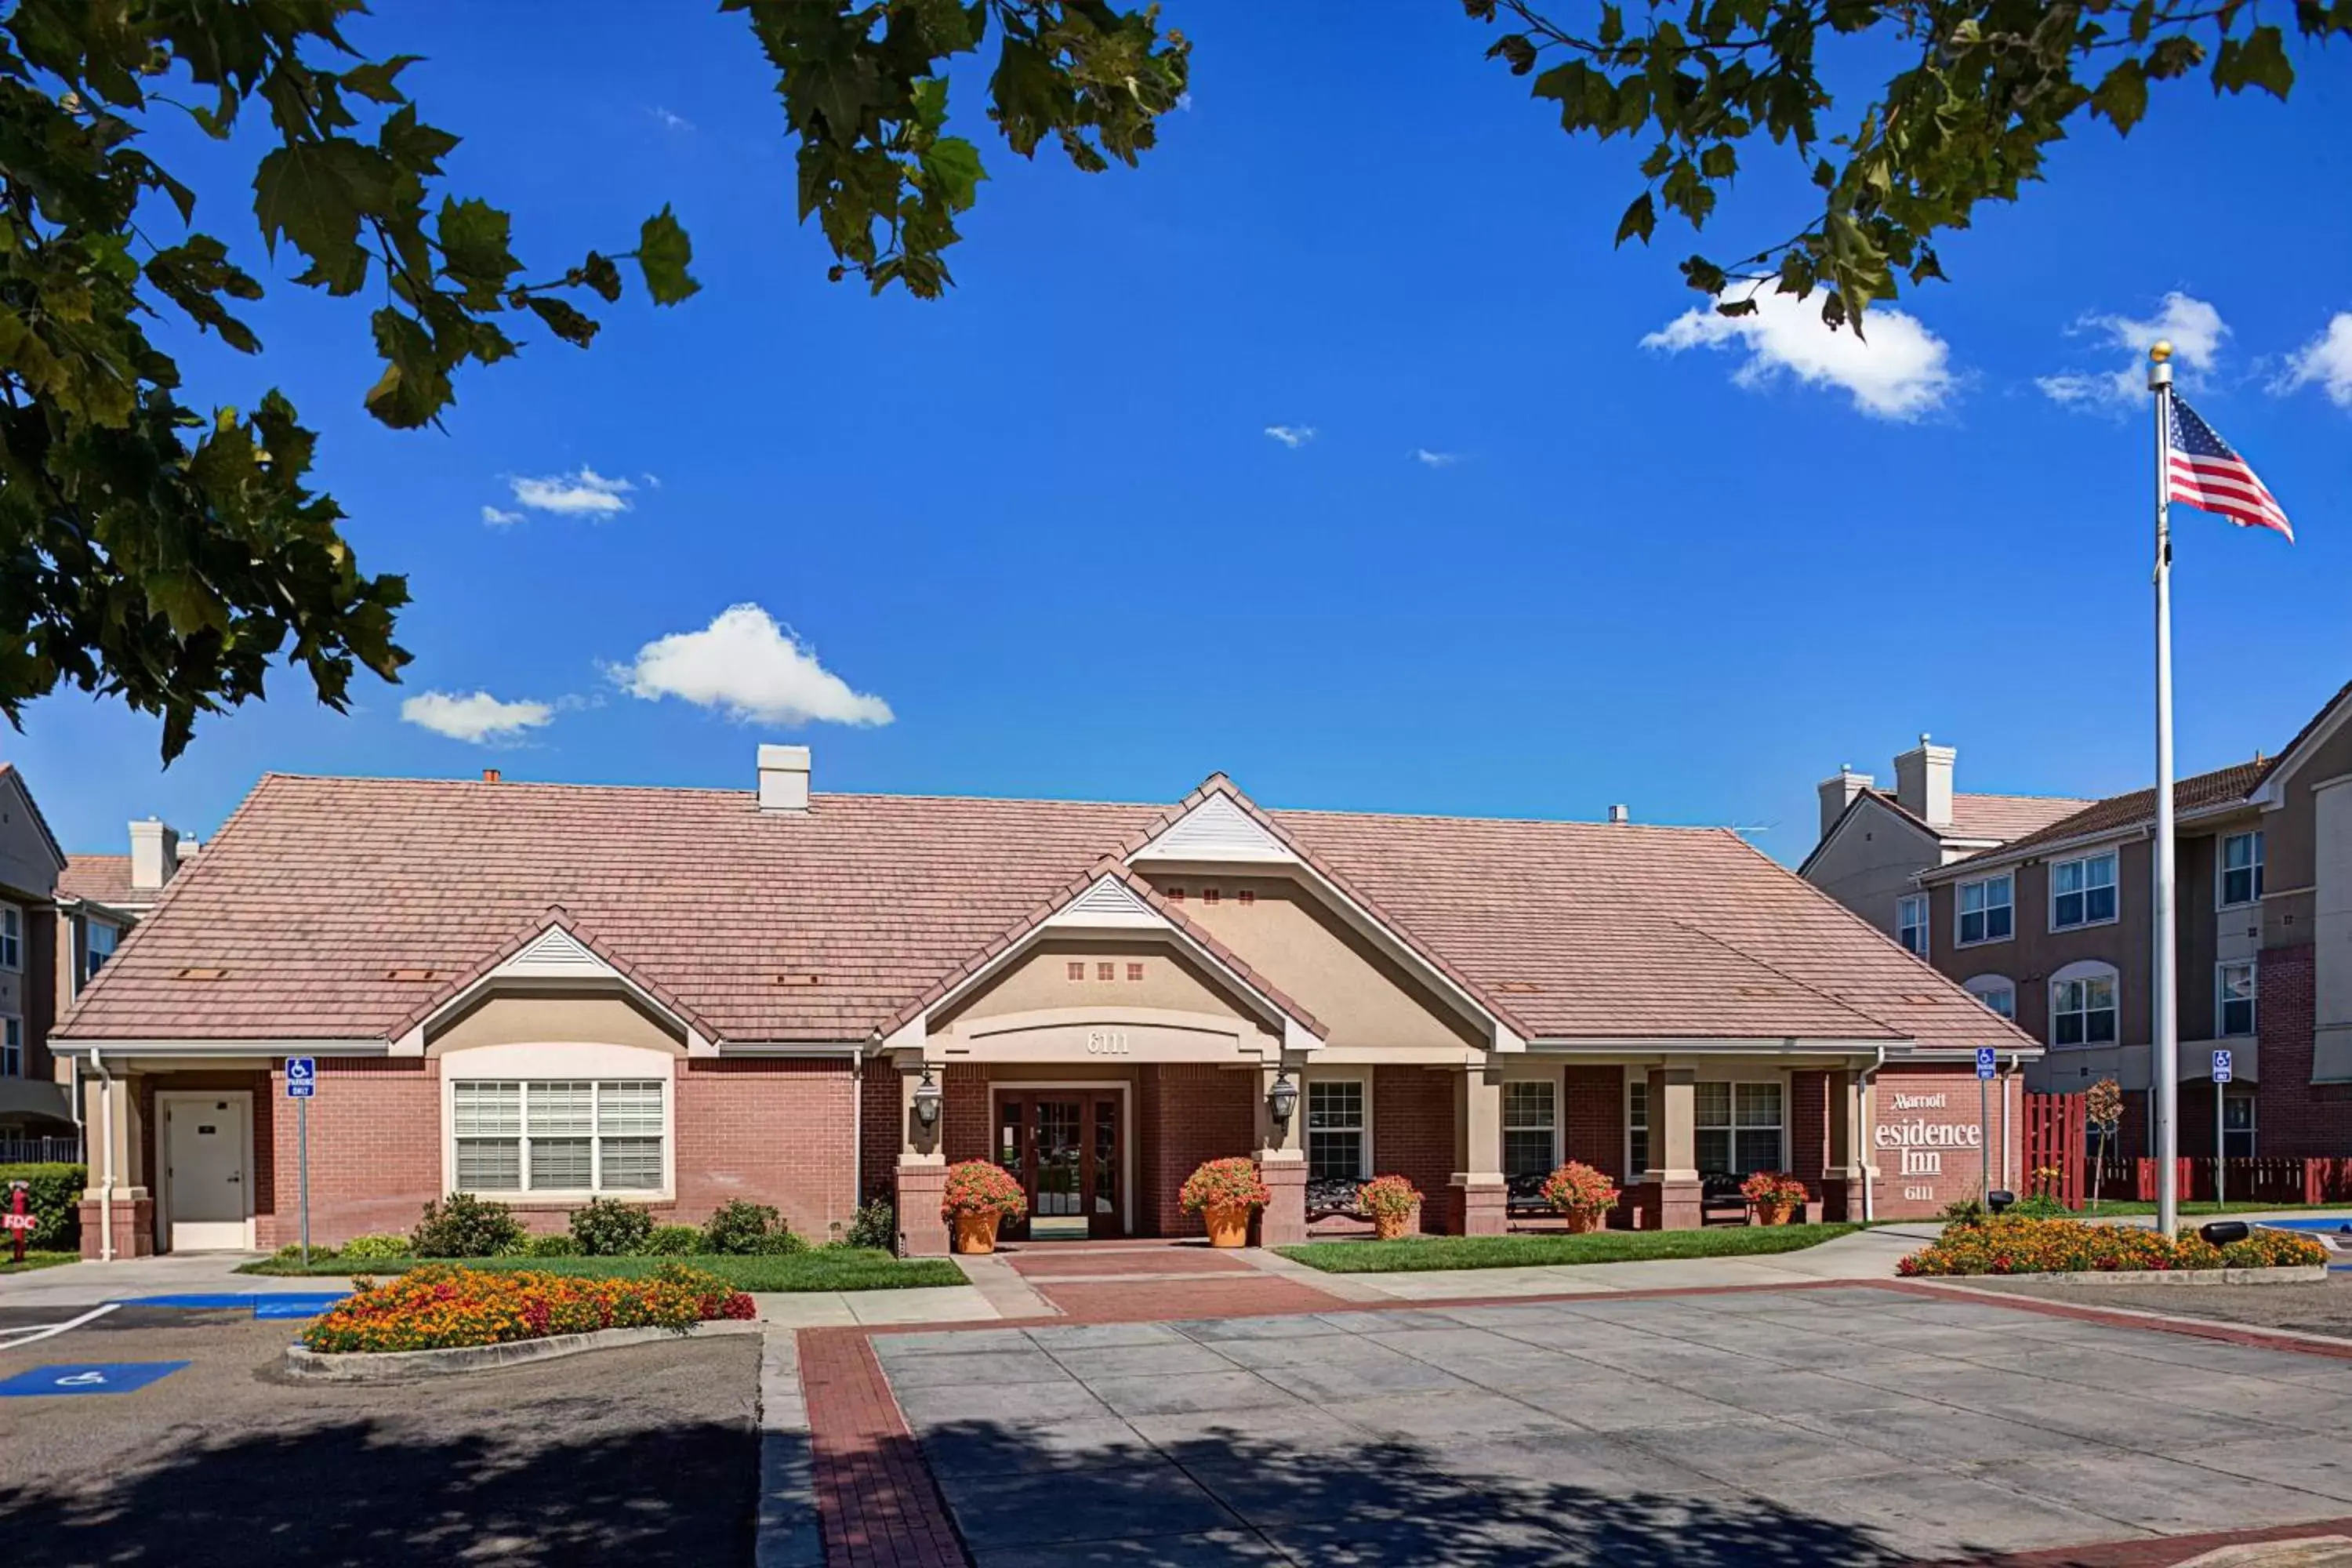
column 2039, row 1206
column 876, row 1225
column 368, row 1248
column 743, row 1227
column 553, row 1246
column 674, row 1240
column 54, row 1192
column 463, row 1226
column 608, row 1228
column 292, row 1252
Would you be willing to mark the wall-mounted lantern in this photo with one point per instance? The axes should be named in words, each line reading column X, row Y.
column 1282, row 1100
column 927, row 1101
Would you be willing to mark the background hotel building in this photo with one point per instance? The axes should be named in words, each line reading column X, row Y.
column 2049, row 927
column 543, row 992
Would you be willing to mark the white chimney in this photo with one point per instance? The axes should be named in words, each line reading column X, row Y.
column 783, row 778
column 1620, row 815
column 1837, row 793
column 1923, row 783
column 155, row 854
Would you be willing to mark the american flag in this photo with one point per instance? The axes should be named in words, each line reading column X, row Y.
column 2203, row 471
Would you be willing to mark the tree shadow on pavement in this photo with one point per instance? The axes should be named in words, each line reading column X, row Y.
column 368, row 1491
column 1027, row 1496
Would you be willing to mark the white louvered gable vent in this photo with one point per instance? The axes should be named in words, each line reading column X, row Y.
column 1109, row 902
column 1216, row 829
column 556, row 951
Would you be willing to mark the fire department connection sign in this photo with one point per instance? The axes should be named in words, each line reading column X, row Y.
column 1922, row 1132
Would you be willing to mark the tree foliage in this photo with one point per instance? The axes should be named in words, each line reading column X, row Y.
column 170, row 556
column 1989, row 86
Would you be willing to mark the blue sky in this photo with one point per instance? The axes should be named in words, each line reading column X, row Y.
column 1041, row 522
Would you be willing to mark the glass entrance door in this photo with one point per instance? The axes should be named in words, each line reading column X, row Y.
column 1065, row 1148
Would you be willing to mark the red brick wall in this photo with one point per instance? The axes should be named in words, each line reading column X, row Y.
column 1921, row 1194
column 2294, row 1118
column 965, row 1131
column 1594, row 1132
column 1202, row 1113
column 1152, row 1194
column 1809, row 1129
column 1412, row 1134
column 773, row 1130
column 880, row 1139
column 375, row 1148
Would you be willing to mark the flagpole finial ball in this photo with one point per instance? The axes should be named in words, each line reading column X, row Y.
column 2159, row 351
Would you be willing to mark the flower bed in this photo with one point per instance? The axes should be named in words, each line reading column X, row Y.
column 437, row 1307
column 2009, row 1245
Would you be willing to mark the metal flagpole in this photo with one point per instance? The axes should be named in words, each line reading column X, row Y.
column 2166, row 1035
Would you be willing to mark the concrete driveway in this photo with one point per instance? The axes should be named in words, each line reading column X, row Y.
column 1822, row 1427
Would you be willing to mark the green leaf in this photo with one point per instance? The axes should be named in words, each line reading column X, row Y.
column 473, row 236
column 1719, row 161
column 572, row 326
column 663, row 253
column 951, row 167
column 1641, row 220
column 2258, row 59
column 414, row 387
column 600, row 274
column 315, row 193
column 373, row 81
column 2122, row 95
column 412, row 144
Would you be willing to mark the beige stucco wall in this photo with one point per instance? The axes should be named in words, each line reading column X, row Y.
column 1039, row 981
column 27, row 870
column 1359, row 995
column 508, row 1020
column 1868, row 866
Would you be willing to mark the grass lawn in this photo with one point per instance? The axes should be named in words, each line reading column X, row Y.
column 34, row 1260
column 820, row 1269
column 1521, row 1251
column 2129, row 1209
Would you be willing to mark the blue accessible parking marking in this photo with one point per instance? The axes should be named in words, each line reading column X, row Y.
column 262, row 1304
column 88, row 1377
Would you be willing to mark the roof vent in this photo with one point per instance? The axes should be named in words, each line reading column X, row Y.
column 783, row 778
column 489, row 775
column 202, row 974
column 1620, row 815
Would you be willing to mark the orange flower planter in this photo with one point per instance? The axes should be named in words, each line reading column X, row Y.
column 1773, row 1214
column 1392, row 1227
column 1580, row 1221
column 1228, row 1224
column 976, row 1230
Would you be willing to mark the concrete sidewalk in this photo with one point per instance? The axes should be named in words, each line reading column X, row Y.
column 90, row 1284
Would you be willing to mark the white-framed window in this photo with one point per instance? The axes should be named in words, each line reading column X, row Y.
column 1911, row 923
column 1988, row 911
column 1530, row 1126
column 2083, row 1005
column 11, row 1045
column 2082, row 891
column 2238, row 1124
column 1996, row 992
column 99, row 943
column 559, row 1135
column 2233, row 998
column 1637, row 1126
column 2241, row 869
column 1737, row 1127
column 1337, row 1145
column 12, row 937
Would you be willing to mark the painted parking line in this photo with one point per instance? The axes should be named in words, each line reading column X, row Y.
column 88, row 1377
column 13, row 1339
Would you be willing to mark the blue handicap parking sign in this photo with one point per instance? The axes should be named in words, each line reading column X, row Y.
column 2223, row 1063
column 301, row 1077
column 1985, row 1062
column 89, row 1378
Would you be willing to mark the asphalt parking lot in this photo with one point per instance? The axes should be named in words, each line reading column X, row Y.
column 644, row 1456
column 1844, row 1427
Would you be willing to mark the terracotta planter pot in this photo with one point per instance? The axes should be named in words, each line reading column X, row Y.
column 1581, row 1220
column 1773, row 1214
column 1390, row 1227
column 975, row 1230
column 1228, row 1224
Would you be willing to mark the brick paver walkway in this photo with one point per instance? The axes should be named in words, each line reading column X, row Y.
column 875, row 1498
column 1156, row 1262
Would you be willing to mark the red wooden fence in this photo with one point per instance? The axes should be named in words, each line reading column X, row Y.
column 2249, row 1181
column 2054, row 1143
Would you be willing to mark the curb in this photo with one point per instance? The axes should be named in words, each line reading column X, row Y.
column 2293, row 1274
column 394, row 1366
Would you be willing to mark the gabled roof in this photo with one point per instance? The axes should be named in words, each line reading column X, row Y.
column 1979, row 821
column 2122, row 814
column 553, row 930
column 316, row 904
column 15, row 775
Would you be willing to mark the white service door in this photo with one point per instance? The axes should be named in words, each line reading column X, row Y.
column 206, row 1144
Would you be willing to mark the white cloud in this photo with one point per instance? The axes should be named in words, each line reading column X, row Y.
column 1292, row 436
column 1184, row 99
column 670, row 122
column 748, row 667
column 480, row 719
column 585, row 494
column 1429, row 460
column 2194, row 328
column 2326, row 361
column 496, row 519
column 1900, row 371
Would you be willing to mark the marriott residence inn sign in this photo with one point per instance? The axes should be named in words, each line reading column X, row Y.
column 1934, row 1137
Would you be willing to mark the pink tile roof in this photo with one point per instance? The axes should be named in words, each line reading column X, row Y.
column 2008, row 817
column 826, row 926
column 2121, row 813
column 104, row 878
